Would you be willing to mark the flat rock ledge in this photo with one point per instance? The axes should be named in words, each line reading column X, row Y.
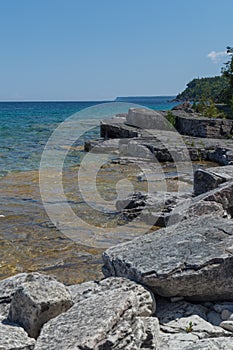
column 193, row 259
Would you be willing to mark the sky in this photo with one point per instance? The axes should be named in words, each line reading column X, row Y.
column 99, row 49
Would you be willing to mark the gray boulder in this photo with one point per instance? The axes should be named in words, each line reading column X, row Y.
column 208, row 179
column 222, row 195
column 146, row 119
column 9, row 285
column 37, row 301
column 104, row 316
column 13, row 337
column 193, row 259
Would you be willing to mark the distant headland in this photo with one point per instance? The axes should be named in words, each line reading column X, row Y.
column 136, row 99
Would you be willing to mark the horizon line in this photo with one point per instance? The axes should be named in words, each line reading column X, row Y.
column 104, row 100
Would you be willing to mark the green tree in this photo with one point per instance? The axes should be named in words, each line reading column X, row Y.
column 227, row 72
column 210, row 88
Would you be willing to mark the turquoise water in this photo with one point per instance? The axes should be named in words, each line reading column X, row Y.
column 25, row 128
column 29, row 241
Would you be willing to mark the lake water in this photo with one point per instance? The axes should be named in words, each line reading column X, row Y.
column 28, row 239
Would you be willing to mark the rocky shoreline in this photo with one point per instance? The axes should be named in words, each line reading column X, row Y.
column 171, row 289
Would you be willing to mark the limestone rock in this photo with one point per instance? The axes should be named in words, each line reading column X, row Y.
column 146, row 119
column 189, row 259
column 13, row 337
column 146, row 300
column 207, row 179
column 36, row 302
column 4, row 309
column 108, row 319
column 116, row 128
column 223, row 195
column 166, row 144
column 167, row 311
column 228, row 325
column 188, row 332
column 9, row 285
column 199, row 126
column 220, row 343
column 166, row 208
column 160, row 208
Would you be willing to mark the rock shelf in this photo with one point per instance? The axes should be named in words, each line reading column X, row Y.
column 171, row 289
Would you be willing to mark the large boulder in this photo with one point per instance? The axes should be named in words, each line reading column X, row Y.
column 9, row 285
column 37, row 301
column 111, row 314
column 146, row 119
column 193, row 259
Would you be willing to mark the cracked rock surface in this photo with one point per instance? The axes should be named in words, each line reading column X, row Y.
column 193, row 259
column 37, row 301
column 13, row 337
column 112, row 314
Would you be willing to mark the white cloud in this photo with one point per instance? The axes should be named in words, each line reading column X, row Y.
column 216, row 57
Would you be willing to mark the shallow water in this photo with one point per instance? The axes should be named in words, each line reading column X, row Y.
column 30, row 242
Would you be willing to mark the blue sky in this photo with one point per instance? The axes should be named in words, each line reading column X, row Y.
column 100, row 49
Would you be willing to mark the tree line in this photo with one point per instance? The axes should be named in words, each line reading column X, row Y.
column 218, row 89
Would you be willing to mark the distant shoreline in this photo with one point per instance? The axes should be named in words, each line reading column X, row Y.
column 117, row 99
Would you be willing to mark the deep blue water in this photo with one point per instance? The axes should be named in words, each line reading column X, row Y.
column 25, row 128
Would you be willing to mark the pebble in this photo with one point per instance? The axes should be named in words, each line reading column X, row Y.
column 225, row 306
column 214, row 318
column 176, row 299
column 225, row 314
column 227, row 325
